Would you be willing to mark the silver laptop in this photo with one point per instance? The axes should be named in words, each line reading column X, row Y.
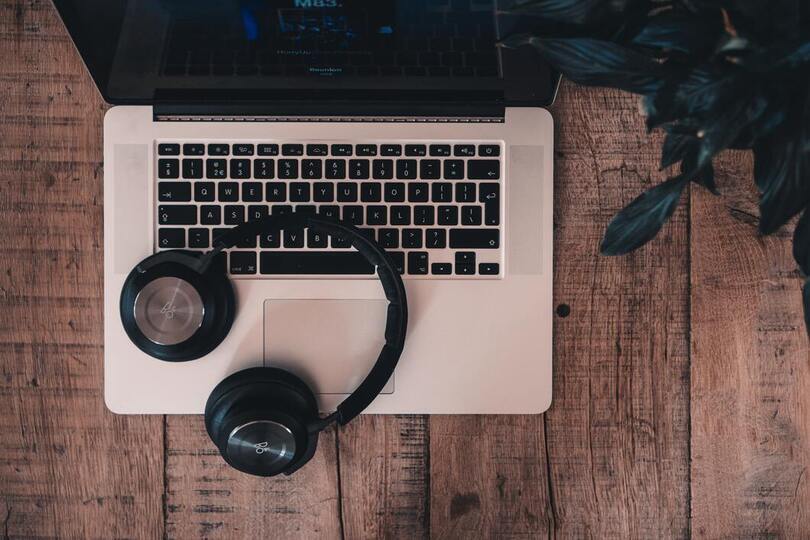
column 399, row 116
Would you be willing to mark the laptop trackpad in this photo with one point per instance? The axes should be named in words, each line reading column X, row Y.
column 330, row 344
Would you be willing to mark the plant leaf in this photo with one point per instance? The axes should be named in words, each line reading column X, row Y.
column 801, row 242
column 676, row 147
column 688, row 33
column 806, row 295
column 595, row 62
column 571, row 11
column 781, row 171
column 640, row 221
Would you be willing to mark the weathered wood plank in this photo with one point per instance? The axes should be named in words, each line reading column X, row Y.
column 68, row 467
column 750, row 369
column 207, row 498
column 618, row 428
column 384, row 477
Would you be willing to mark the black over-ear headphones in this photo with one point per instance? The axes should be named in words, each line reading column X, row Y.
column 178, row 305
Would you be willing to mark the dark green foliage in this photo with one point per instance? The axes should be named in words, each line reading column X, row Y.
column 714, row 74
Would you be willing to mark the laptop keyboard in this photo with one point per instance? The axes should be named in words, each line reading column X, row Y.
column 435, row 207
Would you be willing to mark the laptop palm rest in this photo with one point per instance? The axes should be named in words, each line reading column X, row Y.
column 330, row 344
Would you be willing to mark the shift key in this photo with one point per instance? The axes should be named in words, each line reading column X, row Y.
column 474, row 238
column 177, row 214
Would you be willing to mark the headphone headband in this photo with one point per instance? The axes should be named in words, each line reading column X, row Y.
column 397, row 313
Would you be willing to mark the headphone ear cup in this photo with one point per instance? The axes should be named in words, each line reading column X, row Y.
column 261, row 421
column 173, row 312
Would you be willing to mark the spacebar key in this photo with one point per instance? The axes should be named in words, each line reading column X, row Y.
column 474, row 238
column 314, row 262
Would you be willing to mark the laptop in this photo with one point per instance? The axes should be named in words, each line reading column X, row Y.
column 399, row 116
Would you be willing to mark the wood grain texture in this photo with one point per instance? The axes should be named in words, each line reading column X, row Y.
column 611, row 459
column 750, row 370
column 618, row 428
column 68, row 467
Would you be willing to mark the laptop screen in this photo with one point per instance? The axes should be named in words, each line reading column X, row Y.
column 146, row 51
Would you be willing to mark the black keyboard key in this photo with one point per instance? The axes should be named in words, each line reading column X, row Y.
column 275, row 191
column 341, row 149
column 471, row 215
column 270, row 239
column 391, row 150
column 240, row 168
column 382, row 169
column 174, row 191
column 371, row 192
column 216, row 168
column 268, row 149
column 423, row 215
column 400, row 215
column 440, row 150
column 466, row 150
column 335, row 169
column 168, row 149
column 305, row 209
column 465, row 257
column 441, row 269
column 243, row 149
column 317, row 149
column 398, row 259
column 489, row 194
column 234, row 215
column 317, row 239
column 252, row 192
column 366, row 149
column 299, row 192
column 293, row 238
column 474, row 238
column 218, row 150
column 171, row 238
column 415, row 150
column 465, row 192
column 435, row 238
column 483, row 169
column 177, row 214
column 376, row 215
column 228, row 191
column 406, row 169
column 287, row 169
column 193, row 149
column 453, row 169
column 210, row 215
column 489, row 150
column 411, row 238
column 198, row 238
column 388, row 238
column 358, row 169
column 339, row 241
column 430, row 169
column 442, row 192
column 242, row 262
column 256, row 212
column 323, row 192
column 330, row 211
column 264, row 169
column 204, row 191
column 311, row 169
column 314, row 262
column 353, row 214
column 281, row 209
column 465, row 269
column 292, row 149
column 489, row 269
column 418, row 263
column 169, row 168
column 418, row 192
column 448, row 215
column 394, row 192
column 346, row 192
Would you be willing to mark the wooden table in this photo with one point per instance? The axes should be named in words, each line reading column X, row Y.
column 681, row 375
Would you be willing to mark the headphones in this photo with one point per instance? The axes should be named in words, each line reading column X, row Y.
column 178, row 305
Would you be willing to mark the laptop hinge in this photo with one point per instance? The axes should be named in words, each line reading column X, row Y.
column 329, row 112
